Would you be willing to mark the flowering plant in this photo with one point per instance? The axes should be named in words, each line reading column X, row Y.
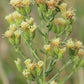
column 22, row 26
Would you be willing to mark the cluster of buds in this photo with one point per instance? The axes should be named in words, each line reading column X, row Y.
column 29, row 28
column 33, row 68
column 20, row 3
column 76, row 46
column 28, row 24
column 13, row 34
column 55, row 48
column 68, row 14
column 13, row 17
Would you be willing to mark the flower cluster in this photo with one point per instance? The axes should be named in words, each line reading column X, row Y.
column 32, row 70
column 22, row 25
column 18, row 25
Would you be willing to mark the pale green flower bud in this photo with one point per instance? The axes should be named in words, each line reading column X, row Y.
column 18, row 64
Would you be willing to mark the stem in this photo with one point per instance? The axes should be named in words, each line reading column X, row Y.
column 68, row 77
column 33, row 52
column 29, row 81
column 69, row 62
column 21, row 52
column 44, row 74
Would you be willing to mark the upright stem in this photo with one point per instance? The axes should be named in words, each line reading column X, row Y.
column 44, row 75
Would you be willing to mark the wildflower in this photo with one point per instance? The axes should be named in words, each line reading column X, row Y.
column 33, row 28
column 9, row 34
column 60, row 21
column 13, row 27
column 63, row 6
column 24, row 25
column 26, row 73
column 63, row 50
column 81, row 52
column 51, row 3
column 40, row 64
column 56, row 42
column 16, row 3
column 17, row 33
column 53, row 82
column 70, row 14
column 16, row 15
column 32, row 66
column 26, row 2
column 9, row 18
column 70, row 44
column 47, row 47
column 39, row 1
column 30, row 21
column 78, row 44
column 27, row 62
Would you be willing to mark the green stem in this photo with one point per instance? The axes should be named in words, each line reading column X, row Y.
column 68, row 77
column 69, row 62
column 32, row 51
column 29, row 81
column 44, row 74
column 20, row 51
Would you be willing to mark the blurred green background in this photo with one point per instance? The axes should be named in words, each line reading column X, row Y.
column 8, row 71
